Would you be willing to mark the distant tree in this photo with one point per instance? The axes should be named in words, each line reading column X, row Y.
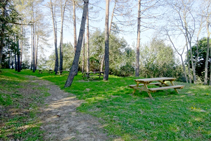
column 55, row 35
column 138, row 38
column 200, row 57
column 62, row 8
column 106, row 42
column 8, row 18
column 158, row 59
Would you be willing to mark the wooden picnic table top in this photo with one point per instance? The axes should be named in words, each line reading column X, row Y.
column 155, row 79
column 94, row 72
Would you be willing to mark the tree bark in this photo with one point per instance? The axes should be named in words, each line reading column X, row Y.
column 183, row 66
column 32, row 46
column 83, row 60
column 138, row 39
column 87, row 38
column 36, row 52
column 33, row 62
column 74, row 24
column 21, row 48
column 103, row 58
column 55, row 38
column 74, row 68
column 206, row 62
column 61, row 36
column 106, row 42
column 1, row 50
column 210, row 67
column 188, row 62
column 18, row 55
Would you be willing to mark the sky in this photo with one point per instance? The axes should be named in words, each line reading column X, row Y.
column 97, row 21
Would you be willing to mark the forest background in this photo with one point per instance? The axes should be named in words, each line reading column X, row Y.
column 147, row 38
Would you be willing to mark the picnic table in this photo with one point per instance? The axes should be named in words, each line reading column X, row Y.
column 89, row 75
column 142, row 84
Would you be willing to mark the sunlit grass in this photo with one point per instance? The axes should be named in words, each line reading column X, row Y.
column 171, row 116
column 18, row 109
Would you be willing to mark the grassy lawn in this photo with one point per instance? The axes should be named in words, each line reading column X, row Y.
column 171, row 116
column 19, row 102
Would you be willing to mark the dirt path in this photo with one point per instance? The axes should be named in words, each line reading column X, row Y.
column 61, row 121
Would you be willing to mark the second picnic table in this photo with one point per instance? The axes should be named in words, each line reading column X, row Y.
column 159, row 82
column 89, row 75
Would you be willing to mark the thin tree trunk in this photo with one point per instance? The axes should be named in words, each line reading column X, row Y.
column 16, row 68
column 21, row 46
column 33, row 38
column 32, row 46
column 188, row 61
column 55, row 38
column 106, row 42
column 87, row 38
column 138, row 38
column 183, row 66
column 61, row 36
column 36, row 51
column 83, row 60
column 18, row 55
column 102, row 62
column 191, row 56
column 74, row 24
column 103, row 58
column 74, row 68
column 197, row 51
column 1, row 49
column 206, row 62
column 210, row 68
column 112, row 15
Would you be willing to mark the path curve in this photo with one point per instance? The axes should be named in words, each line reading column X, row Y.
column 61, row 121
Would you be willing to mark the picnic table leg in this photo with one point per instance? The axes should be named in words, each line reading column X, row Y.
column 135, row 87
column 172, row 83
column 145, row 85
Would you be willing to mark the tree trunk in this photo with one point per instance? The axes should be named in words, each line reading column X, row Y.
column 55, row 38
column 83, row 60
column 33, row 38
column 206, row 62
column 16, row 67
column 102, row 62
column 32, row 46
column 61, row 37
column 74, row 24
column 106, row 42
column 36, row 52
column 18, row 55
column 21, row 48
column 74, row 68
column 188, row 62
column 87, row 38
column 210, row 68
column 191, row 55
column 103, row 58
column 1, row 50
column 138, row 39
column 183, row 66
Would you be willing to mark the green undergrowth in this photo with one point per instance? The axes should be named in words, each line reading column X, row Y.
column 19, row 103
column 170, row 116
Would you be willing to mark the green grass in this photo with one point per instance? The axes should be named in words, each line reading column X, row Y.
column 18, row 108
column 171, row 116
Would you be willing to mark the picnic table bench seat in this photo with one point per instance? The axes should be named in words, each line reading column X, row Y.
column 167, row 87
column 132, row 86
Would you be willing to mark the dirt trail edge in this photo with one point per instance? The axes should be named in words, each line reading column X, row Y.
column 61, row 121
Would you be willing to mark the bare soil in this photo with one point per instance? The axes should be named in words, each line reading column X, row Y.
column 62, row 122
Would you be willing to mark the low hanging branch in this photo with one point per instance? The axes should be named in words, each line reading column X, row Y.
column 74, row 68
